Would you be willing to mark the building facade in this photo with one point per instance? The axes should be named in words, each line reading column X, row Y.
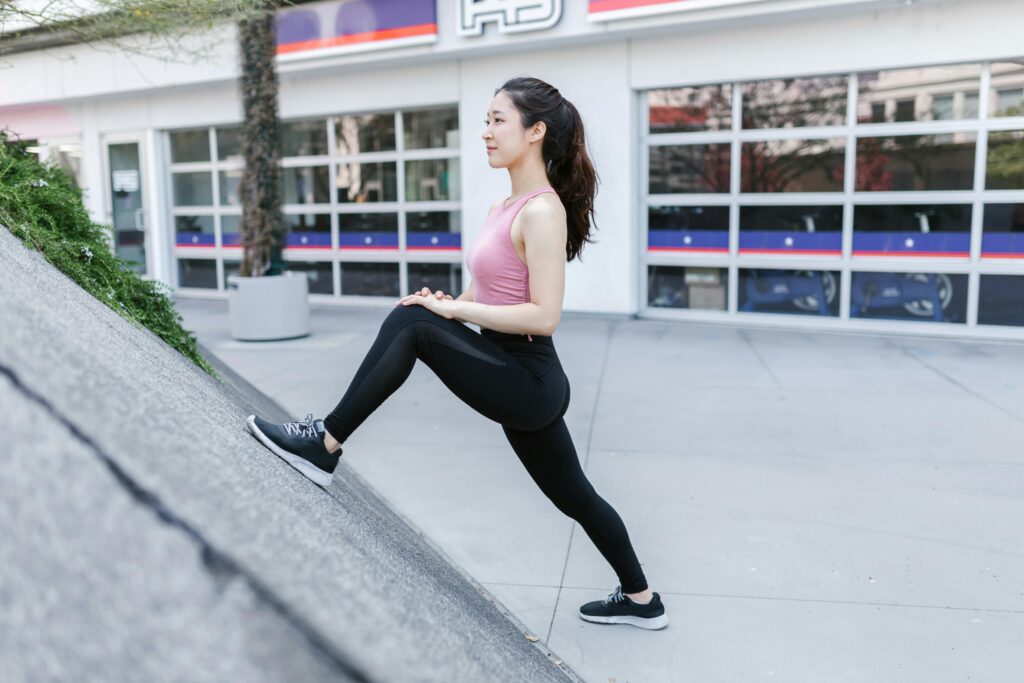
column 832, row 164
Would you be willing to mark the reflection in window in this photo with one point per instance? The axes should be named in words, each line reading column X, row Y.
column 912, row 230
column 192, row 189
column 358, row 134
column 304, row 138
column 194, row 231
column 230, row 182
column 433, row 230
column 1007, row 92
column 1001, row 300
column 916, row 162
column 230, row 268
column 792, row 166
column 432, row 128
column 686, row 287
column 806, row 292
column 431, row 179
column 1002, row 233
column 368, row 182
column 689, row 168
column 306, row 185
column 791, row 229
column 320, row 274
column 898, row 95
column 198, row 273
column 1005, row 169
column 190, row 145
column 368, row 230
column 229, row 144
column 369, row 279
column 936, row 297
column 307, row 230
column 795, row 102
column 688, row 228
column 444, row 276
column 682, row 110
column 230, row 227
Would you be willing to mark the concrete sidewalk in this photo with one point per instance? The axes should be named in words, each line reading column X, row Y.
column 811, row 506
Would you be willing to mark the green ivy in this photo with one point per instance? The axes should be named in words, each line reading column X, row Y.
column 41, row 205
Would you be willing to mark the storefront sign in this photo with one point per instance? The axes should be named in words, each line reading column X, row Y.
column 511, row 16
column 341, row 26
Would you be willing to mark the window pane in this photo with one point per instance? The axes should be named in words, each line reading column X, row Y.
column 193, row 189
column 370, row 182
column 1002, row 233
column 432, row 128
column 936, row 297
column 689, row 168
column 304, row 138
column 306, row 185
column 805, row 292
column 368, row 230
column 792, row 166
column 194, row 231
column 694, row 229
column 434, row 230
column 686, row 287
column 909, row 94
column 1001, row 300
column 321, row 275
column 916, row 162
column 230, row 268
column 942, row 108
column 795, row 102
column 681, row 110
column 444, row 276
column 229, row 144
column 369, row 279
column 1007, row 93
column 230, row 181
column 201, row 273
column 970, row 110
column 307, row 230
column 1005, row 169
column 815, row 230
column 364, row 133
column 230, row 227
column 190, row 145
column 912, row 229
column 430, row 179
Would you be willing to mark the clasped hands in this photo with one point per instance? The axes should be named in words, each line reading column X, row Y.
column 437, row 302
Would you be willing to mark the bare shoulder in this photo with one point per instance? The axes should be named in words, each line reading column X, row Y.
column 545, row 211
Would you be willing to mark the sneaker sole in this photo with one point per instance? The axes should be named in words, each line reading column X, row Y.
column 306, row 468
column 649, row 623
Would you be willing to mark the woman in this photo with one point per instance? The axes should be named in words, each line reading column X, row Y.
column 509, row 371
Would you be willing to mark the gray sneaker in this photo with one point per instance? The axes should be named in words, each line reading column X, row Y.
column 619, row 609
column 300, row 444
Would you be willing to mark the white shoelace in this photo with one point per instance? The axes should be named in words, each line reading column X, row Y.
column 304, row 428
column 616, row 595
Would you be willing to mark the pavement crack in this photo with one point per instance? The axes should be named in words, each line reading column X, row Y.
column 221, row 566
column 760, row 358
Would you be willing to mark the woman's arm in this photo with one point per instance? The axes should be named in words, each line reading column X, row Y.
column 544, row 232
column 466, row 295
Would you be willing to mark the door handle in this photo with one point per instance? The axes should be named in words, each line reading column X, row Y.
column 140, row 218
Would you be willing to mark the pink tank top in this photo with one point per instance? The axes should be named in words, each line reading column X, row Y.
column 499, row 276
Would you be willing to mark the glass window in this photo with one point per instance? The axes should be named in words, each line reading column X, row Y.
column 369, row 182
column 307, row 230
column 909, row 94
column 792, row 166
column 693, row 229
column 912, row 230
column 814, row 230
column 229, row 144
column 304, row 138
column 199, row 273
column 942, row 108
column 970, row 110
column 357, row 134
column 683, row 110
column 194, row 231
column 230, row 227
column 193, row 189
column 230, row 268
column 687, row 287
column 433, row 230
column 804, row 292
column 430, row 179
column 444, row 276
column 1001, row 300
column 916, row 162
column 306, row 185
column 795, row 102
column 1005, row 169
column 432, row 128
column 936, row 297
column 320, row 274
column 369, row 279
column 1002, row 233
column 1007, row 92
column 190, row 145
column 689, row 168
column 368, row 230
column 230, row 182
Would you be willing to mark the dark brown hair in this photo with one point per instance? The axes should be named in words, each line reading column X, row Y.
column 564, row 151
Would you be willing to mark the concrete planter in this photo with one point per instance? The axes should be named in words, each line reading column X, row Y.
column 269, row 307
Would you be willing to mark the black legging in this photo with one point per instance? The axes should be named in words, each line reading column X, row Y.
column 509, row 379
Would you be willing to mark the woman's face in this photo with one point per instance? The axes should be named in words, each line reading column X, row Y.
column 504, row 136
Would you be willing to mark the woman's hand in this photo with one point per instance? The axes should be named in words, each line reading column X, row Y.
column 437, row 302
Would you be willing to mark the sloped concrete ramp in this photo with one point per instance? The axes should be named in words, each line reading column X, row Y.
column 145, row 535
